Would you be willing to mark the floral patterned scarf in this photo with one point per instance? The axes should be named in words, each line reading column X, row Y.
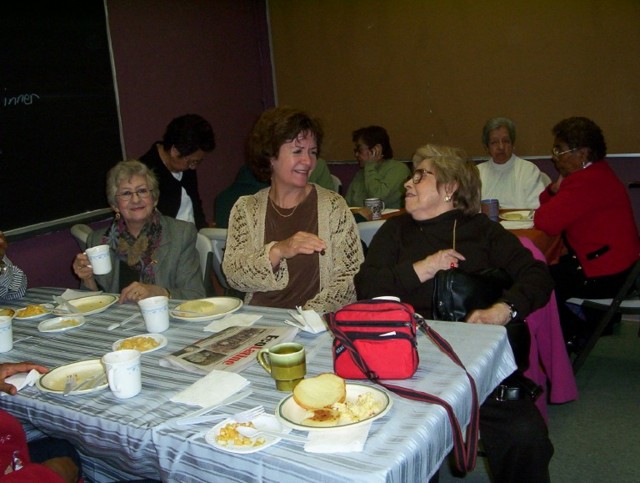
column 137, row 252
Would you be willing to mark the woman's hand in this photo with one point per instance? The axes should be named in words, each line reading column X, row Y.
column 11, row 368
column 138, row 291
column 300, row 243
column 498, row 314
column 555, row 186
column 84, row 271
column 427, row 268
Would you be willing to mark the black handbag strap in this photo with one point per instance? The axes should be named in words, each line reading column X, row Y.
column 464, row 452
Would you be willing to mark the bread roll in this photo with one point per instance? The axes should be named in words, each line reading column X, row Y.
column 320, row 392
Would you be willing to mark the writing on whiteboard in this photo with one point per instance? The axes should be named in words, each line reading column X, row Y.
column 20, row 100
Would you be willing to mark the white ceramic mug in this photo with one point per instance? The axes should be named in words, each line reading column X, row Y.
column 155, row 311
column 376, row 205
column 6, row 333
column 100, row 259
column 123, row 372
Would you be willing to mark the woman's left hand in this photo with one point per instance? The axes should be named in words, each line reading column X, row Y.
column 498, row 314
column 138, row 291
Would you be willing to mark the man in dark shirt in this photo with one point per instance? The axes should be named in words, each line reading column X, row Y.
column 185, row 143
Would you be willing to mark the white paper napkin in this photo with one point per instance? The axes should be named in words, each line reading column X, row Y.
column 347, row 440
column 232, row 320
column 308, row 320
column 70, row 294
column 211, row 389
column 22, row 379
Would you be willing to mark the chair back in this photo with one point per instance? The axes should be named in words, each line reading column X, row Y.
column 205, row 253
column 368, row 229
column 625, row 302
column 337, row 184
column 81, row 233
column 218, row 240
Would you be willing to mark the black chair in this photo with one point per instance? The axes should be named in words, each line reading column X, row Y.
column 626, row 301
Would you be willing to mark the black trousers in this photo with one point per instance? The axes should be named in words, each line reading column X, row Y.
column 516, row 441
column 47, row 448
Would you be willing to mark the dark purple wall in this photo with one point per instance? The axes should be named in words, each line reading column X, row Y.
column 171, row 58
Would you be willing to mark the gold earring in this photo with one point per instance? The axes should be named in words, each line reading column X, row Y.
column 447, row 198
column 117, row 215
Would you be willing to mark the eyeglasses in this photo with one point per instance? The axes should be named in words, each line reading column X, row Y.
column 193, row 163
column 556, row 153
column 141, row 192
column 359, row 148
column 418, row 174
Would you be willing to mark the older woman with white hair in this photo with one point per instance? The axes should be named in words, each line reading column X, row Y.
column 150, row 254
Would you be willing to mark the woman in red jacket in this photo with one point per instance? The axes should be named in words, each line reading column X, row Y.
column 589, row 206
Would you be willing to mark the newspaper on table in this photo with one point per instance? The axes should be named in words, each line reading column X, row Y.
column 232, row 349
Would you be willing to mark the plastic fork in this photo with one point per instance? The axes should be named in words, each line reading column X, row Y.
column 69, row 384
column 253, row 432
column 241, row 417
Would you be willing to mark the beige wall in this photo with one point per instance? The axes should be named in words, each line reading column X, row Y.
column 436, row 70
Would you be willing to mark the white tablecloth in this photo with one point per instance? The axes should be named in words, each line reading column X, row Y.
column 132, row 438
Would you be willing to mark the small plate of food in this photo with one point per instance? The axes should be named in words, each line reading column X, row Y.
column 61, row 324
column 144, row 343
column 93, row 304
column 32, row 312
column 225, row 435
column 91, row 371
column 7, row 312
column 326, row 402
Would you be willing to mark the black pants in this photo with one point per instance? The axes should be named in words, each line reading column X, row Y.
column 47, row 448
column 570, row 282
column 516, row 441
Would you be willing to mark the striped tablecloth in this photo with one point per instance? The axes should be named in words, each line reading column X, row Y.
column 124, row 439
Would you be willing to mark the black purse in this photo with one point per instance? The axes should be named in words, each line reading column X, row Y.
column 457, row 293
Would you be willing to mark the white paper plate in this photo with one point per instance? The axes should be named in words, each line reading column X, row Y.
column 221, row 306
column 159, row 338
column 93, row 304
column 292, row 415
column 55, row 380
column 32, row 317
column 517, row 215
column 264, row 421
column 516, row 225
column 61, row 324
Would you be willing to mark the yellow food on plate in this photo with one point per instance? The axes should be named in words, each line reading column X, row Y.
column 515, row 216
column 7, row 312
column 140, row 343
column 31, row 310
column 229, row 436
column 199, row 307
column 68, row 323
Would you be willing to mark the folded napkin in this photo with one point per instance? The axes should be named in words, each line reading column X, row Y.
column 232, row 320
column 346, row 440
column 211, row 389
column 22, row 379
column 308, row 321
column 73, row 294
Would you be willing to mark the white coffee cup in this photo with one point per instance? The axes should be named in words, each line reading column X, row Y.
column 155, row 312
column 123, row 372
column 100, row 259
column 6, row 333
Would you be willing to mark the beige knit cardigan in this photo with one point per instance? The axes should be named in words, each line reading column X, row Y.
column 246, row 260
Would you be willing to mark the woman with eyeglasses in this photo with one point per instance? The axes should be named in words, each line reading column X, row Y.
column 443, row 228
column 379, row 176
column 589, row 206
column 151, row 254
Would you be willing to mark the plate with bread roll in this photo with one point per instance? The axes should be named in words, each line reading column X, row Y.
column 204, row 310
column 327, row 401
